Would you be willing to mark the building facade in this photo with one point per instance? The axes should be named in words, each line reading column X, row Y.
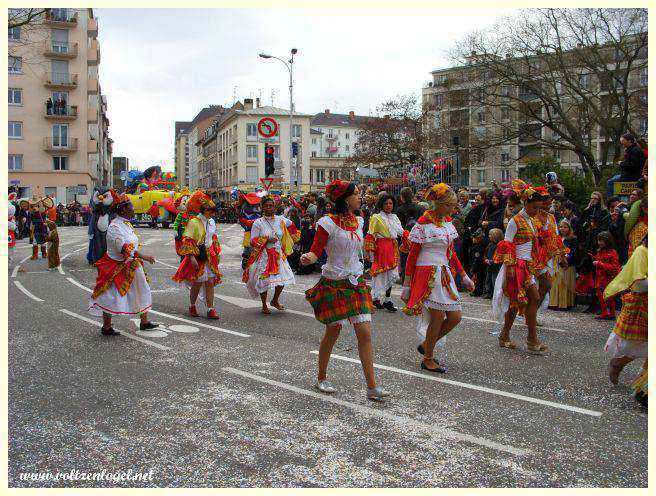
column 58, row 129
column 231, row 153
column 119, row 165
column 181, row 153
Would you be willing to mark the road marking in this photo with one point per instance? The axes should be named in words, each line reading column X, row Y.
column 22, row 288
column 73, row 281
column 476, row 319
column 70, row 253
column 15, row 271
column 201, row 324
column 167, row 265
column 60, row 269
column 405, row 422
column 520, row 397
column 244, row 303
column 122, row 333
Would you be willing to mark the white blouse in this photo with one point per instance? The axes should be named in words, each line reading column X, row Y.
column 119, row 233
column 435, row 242
column 393, row 224
column 270, row 227
column 210, row 229
column 342, row 249
column 523, row 251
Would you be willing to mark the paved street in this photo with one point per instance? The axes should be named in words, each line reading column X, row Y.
column 231, row 402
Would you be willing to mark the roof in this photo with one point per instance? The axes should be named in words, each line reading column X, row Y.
column 269, row 110
column 210, row 111
column 324, row 119
column 315, row 131
column 181, row 127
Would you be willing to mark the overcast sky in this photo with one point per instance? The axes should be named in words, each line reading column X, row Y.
column 163, row 65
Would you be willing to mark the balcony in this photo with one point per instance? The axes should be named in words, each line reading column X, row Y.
column 60, row 18
column 58, row 145
column 92, row 27
column 332, row 137
column 93, row 53
column 92, row 146
column 60, row 80
column 61, row 50
column 92, row 114
column 67, row 113
column 92, row 86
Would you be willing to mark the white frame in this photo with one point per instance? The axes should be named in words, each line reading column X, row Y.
column 12, row 126
column 60, row 157
column 12, row 69
column 13, row 92
column 12, row 159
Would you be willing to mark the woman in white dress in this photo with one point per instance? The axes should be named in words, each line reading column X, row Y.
column 382, row 247
column 430, row 290
column 341, row 295
column 122, row 286
column 272, row 238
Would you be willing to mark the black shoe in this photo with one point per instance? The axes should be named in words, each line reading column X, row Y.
column 147, row 326
column 438, row 370
column 378, row 305
column 109, row 332
column 390, row 306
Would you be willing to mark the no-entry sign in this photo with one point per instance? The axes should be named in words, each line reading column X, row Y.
column 267, row 127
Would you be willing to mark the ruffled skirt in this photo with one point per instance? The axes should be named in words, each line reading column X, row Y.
column 258, row 284
column 136, row 301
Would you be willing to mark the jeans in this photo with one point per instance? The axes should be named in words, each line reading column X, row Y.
column 490, row 278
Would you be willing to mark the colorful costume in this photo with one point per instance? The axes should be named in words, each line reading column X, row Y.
column 341, row 294
column 38, row 232
column 563, row 293
column 101, row 215
column 249, row 212
column 180, row 223
column 53, row 245
column 12, row 231
column 605, row 270
column 267, row 266
column 201, row 241
column 381, row 241
column 636, row 224
column 121, row 286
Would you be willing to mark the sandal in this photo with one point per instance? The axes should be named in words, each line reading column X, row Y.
column 266, row 311
column 438, row 370
column 538, row 348
column 278, row 306
column 509, row 344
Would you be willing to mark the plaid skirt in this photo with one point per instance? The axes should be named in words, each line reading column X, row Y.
column 632, row 321
column 335, row 300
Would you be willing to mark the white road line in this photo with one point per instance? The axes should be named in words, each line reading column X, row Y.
column 406, row 422
column 520, row 397
column 22, row 288
column 60, row 269
column 73, row 281
column 122, row 333
column 70, row 253
column 476, row 319
column 15, row 271
column 201, row 324
column 167, row 265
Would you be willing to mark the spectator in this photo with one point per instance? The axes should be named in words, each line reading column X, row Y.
column 596, row 210
column 553, row 186
column 616, row 229
column 607, row 266
column 631, row 165
column 513, row 206
column 477, row 261
column 408, row 211
column 49, row 106
column 311, row 207
column 563, row 294
column 492, row 269
column 636, row 194
column 494, row 214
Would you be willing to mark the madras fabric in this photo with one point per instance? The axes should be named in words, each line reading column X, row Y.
column 259, row 245
column 505, row 253
column 515, row 287
column 421, row 286
column 111, row 271
column 640, row 383
column 335, row 300
column 635, row 236
column 386, row 256
column 632, row 321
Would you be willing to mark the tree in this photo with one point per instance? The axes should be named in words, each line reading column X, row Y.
column 555, row 79
column 24, row 17
column 27, row 35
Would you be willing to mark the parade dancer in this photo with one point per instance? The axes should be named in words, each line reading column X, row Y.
column 628, row 341
column 12, row 231
column 341, row 295
column 38, row 230
column 180, row 222
column 53, row 245
column 430, row 290
column 122, row 286
column 272, row 241
column 516, row 287
column 201, row 250
column 381, row 246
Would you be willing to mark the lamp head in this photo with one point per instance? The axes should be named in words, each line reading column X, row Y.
column 294, row 51
column 265, row 56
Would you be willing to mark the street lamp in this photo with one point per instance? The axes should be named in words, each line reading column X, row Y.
column 289, row 64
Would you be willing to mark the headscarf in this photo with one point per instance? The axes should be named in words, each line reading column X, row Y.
column 440, row 193
column 337, row 189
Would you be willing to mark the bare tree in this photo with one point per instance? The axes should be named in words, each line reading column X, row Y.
column 557, row 80
column 24, row 17
column 27, row 35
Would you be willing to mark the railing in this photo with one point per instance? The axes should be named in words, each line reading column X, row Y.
column 60, row 144
column 54, row 17
column 57, row 111
column 61, row 79
column 62, row 49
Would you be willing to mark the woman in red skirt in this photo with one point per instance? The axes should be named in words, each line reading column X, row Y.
column 341, row 295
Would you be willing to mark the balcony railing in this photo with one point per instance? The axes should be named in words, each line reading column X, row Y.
column 332, row 137
column 60, row 144
column 93, row 53
column 92, row 85
column 61, row 17
column 92, row 26
column 67, row 112
column 60, row 49
column 61, row 80
column 332, row 149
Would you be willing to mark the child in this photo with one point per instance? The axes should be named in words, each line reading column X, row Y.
column 53, row 245
column 307, row 237
column 477, row 261
column 607, row 266
column 492, row 269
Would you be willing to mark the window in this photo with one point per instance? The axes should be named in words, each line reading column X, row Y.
column 251, row 174
column 251, row 129
column 348, row 136
column 81, row 189
column 321, row 175
column 505, row 90
column 348, row 148
column 314, row 141
column 505, row 175
column 481, row 176
column 15, row 129
column 51, row 191
column 14, row 33
column 312, row 175
column 60, row 163
column 314, row 154
column 15, row 162
column 583, row 80
column 505, row 156
column 251, row 151
column 15, row 65
column 60, row 135
column 643, row 77
column 481, row 117
column 276, row 152
column 439, row 100
column 643, row 126
column 296, row 131
column 15, row 96
column 505, row 112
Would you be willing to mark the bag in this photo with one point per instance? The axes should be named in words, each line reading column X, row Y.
column 202, row 253
column 286, row 241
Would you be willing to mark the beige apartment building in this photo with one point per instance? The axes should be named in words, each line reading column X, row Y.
column 181, row 152
column 59, row 141
column 231, row 153
column 453, row 101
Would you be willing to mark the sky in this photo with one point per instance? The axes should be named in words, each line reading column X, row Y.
column 159, row 66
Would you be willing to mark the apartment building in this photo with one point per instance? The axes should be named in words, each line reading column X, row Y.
column 119, row 165
column 231, row 153
column 181, row 152
column 59, row 141
column 456, row 105
column 333, row 139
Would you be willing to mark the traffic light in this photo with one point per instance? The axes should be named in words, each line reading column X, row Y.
column 269, row 161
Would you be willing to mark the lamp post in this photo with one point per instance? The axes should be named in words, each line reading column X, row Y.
column 289, row 64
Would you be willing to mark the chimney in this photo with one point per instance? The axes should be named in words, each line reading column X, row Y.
column 351, row 115
column 327, row 111
column 257, row 103
column 248, row 104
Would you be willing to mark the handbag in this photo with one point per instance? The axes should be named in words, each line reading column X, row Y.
column 286, row 241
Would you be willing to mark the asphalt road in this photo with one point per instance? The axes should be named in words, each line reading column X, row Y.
column 230, row 403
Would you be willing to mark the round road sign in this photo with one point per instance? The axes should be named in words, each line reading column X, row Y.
column 267, row 127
